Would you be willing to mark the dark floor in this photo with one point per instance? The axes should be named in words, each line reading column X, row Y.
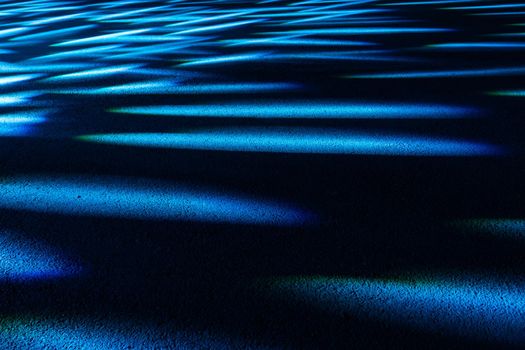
column 262, row 174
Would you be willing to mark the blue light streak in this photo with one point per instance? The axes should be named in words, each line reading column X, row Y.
column 479, row 46
column 313, row 141
column 134, row 199
column 85, row 52
column 52, row 33
column 17, row 79
column 43, row 68
column 21, row 123
column 485, row 7
column 96, row 73
column 510, row 228
column 22, row 260
column 361, row 31
column 18, row 98
column 432, row 2
column 509, row 93
column 305, row 110
column 31, row 117
column 460, row 73
column 103, row 38
column 111, row 332
column 254, row 56
column 169, row 87
column 293, row 41
column 470, row 307
column 216, row 27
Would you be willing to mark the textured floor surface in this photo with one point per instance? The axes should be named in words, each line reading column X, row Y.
column 274, row 174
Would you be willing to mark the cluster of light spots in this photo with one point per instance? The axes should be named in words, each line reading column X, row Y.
column 305, row 110
column 287, row 140
column 126, row 198
column 475, row 308
column 22, row 259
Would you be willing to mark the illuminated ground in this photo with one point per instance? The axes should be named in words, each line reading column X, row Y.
column 262, row 174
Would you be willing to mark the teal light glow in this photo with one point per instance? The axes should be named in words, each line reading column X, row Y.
column 305, row 110
column 470, row 307
column 286, row 140
column 134, row 199
column 501, row 13
column 479, row 46
column 22, row 259
column 460, row 73
column 509, row 93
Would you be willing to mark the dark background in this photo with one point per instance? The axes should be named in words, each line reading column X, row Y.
column 379, row 216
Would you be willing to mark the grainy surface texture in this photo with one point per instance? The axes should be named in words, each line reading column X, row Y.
column 272, row 174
